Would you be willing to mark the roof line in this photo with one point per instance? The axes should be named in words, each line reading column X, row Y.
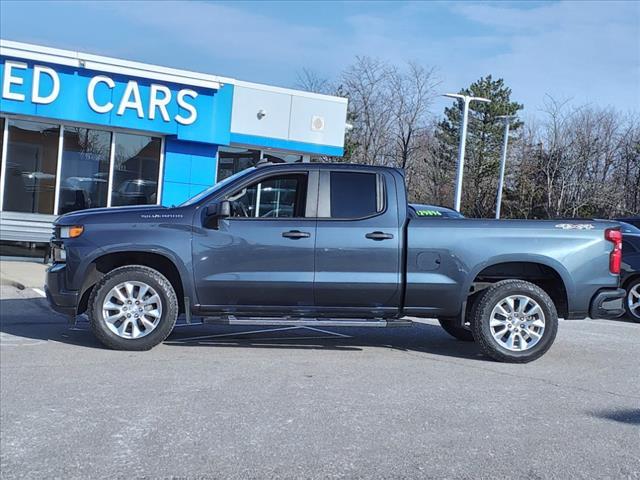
column 101, row 63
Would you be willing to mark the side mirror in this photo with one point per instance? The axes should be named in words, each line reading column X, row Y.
column 221, row 209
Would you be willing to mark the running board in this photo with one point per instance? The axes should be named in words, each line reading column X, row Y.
column 310, row 322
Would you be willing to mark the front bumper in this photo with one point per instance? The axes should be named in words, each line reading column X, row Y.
column 61, row 300
column 608, row 303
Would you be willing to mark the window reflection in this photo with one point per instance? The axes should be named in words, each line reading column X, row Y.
column 136, row 170
column 85, row 169
column 32, row 157
column 275, row 197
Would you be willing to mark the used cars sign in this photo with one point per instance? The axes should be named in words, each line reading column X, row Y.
column 87, row 96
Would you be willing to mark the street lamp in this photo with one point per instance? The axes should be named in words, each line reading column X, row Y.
column 506, row 119
column 463, row 140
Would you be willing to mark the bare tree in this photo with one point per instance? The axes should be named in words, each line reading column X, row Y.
column 579, row 162
column 311, row 81
column 567, row 161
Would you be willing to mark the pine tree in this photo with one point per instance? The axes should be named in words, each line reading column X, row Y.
column 484, row 142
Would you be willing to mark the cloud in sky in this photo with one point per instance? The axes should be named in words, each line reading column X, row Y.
column 587, row 51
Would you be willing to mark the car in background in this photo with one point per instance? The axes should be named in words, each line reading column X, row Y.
column 635, row 221
column 136, row 191
column 419, row 210
column 630, row 273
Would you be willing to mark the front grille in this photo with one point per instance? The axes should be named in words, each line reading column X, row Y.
column 55, row 236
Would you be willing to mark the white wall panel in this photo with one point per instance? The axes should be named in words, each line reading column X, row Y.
column 247, row 102
column 331, row 115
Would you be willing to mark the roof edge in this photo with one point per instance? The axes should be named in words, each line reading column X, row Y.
column 101, row 63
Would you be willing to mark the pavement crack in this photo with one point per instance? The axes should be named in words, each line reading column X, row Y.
column 520, row 376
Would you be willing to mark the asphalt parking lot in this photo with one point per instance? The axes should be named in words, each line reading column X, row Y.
column 230, row 402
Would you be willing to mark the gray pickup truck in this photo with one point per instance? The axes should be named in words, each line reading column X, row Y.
column 329, row 244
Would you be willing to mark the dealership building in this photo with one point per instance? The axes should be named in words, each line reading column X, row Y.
column 82, row 131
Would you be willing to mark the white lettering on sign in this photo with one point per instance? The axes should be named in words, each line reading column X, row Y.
column 45, row 92
column 91, row 90
column 36, row 97
column 160, row 103
column 193, row 114
column 8, row 79
column 126, row 102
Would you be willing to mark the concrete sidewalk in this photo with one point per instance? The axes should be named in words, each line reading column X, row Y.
column 22, row 273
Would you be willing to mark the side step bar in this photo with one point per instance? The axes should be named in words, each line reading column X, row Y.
column 309, row 322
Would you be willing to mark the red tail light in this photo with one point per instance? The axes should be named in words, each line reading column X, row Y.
column 615, row 259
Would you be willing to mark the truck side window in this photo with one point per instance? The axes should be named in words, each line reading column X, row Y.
column 355, row 195
column 282, row 196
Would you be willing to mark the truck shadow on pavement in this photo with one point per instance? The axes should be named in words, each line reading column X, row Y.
column 629, row 416
column 26, row 320
column 420, row 338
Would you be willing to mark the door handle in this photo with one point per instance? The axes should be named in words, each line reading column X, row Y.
column 379, row 236
column 296, row 234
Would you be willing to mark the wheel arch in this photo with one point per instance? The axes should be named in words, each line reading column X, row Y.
column 545, row 272
column 163, row 262
column 629, row 279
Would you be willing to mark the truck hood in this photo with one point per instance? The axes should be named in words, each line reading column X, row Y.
column 92, row 215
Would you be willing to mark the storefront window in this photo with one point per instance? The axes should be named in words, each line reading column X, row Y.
column 281, row 157
column 32, row 157
column 233, row 160
column 136, row 170
column 84, row 176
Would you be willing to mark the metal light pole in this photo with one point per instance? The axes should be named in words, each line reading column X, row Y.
column 463, row 141
column 503, row 161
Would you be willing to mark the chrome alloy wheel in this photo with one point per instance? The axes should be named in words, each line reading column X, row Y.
column 517, row 323
column 132, row 309
column 633, row 300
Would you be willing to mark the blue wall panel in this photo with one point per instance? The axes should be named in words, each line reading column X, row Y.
column 196, row 189
column 175, row 193
column 189, row 168
column 177, row 167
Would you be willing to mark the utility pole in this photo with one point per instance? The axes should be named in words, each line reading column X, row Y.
column 463, row 141
column 506, row 119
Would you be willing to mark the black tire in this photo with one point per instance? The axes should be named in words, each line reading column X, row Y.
column 138, row 273
column 451, row 325
column 453, row 328
column 635, row 316
column 481, row 316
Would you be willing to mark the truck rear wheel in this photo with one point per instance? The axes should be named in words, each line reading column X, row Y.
column 132, row 308
column 632, row 303
column 452, row 326
column 514, row 321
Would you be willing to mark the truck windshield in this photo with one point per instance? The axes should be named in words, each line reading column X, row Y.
column 216, row 187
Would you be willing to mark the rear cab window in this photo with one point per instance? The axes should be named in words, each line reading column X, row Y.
column 355, row 195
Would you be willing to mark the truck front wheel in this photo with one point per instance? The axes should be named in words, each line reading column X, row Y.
column 514, row 321
column 132, row 308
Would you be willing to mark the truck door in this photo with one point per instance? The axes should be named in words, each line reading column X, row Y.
column 263, row 254
column 358, row 245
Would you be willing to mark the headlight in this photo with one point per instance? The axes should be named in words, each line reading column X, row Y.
column 59, row 254
column 71, row 232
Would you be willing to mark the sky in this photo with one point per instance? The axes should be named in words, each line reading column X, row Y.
column 584, row 52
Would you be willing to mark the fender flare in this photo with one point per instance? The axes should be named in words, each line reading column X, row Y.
column 91, row 275
column 518, row 258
